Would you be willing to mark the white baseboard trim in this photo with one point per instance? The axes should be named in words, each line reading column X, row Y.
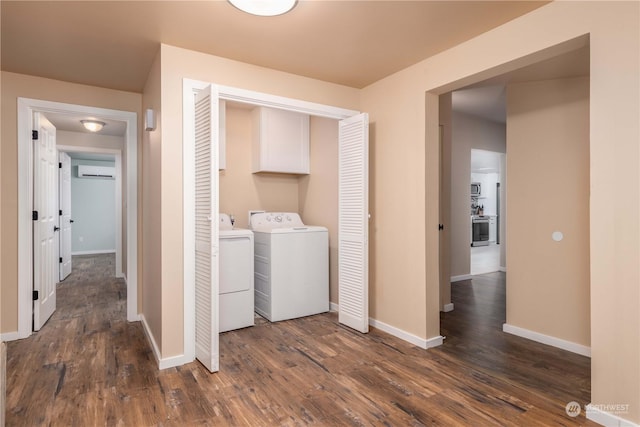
column 547, row 339
column 461, row 278
column 167, row 362
column 406, row 336
column 597, row 415
column 10, row 336
column 98, row 252
column 503, row 269
column 448, row 307
column 399, row 333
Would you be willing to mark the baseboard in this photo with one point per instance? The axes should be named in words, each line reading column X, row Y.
column 406, row 336
column 98, row 252
column 10, row 336
column 502, row 269
column 399, row 333
column 547, row 339
column 596, row 414
column 167, row 362
column 448, row 307
column 461, row 278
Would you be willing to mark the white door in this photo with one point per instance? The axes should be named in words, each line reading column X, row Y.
column 206, row 222
column 45, row 225
column 65, row 214
column 353, row 218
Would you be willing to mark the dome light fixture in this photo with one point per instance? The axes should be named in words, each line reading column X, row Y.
column 92, row 125
column 264, row 7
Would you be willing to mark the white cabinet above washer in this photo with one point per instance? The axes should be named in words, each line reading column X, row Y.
column 280, row 141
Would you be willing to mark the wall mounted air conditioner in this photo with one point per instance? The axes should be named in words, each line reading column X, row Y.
column 88, row 171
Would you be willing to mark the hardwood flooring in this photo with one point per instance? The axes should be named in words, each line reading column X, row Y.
column 89, row 367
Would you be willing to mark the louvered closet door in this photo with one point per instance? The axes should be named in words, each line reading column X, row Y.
column 206, row 221
column 353, row 230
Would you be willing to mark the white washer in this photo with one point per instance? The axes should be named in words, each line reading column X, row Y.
column 236, row 276
column 291, row 266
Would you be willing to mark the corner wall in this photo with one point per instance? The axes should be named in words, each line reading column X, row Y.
column 548, row 173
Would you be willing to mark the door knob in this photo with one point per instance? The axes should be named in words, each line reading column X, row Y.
column 71, row 221
column 55, row 228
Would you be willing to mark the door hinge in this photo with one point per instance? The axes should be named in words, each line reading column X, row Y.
column 60, row 212
column 60, row 260
column 34, row 215
column 440, row 226
column 59, row 165
column 34, row 135
column 35, row 295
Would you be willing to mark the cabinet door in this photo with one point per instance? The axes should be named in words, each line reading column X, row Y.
column 281, row 141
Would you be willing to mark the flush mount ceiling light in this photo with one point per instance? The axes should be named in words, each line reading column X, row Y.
column 264, row 7
column 92, row 125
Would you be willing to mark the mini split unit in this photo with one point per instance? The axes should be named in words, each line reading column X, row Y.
column 87, row 171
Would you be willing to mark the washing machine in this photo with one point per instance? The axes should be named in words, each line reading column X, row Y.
column 236, row 276
column 291, row 266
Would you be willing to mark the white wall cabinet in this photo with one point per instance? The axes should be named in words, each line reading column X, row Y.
column 280, row 141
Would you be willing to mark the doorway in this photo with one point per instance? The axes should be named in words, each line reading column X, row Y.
column 26, row 110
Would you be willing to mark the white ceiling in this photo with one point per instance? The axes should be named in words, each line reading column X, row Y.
column 71, row 123
column 112, row 44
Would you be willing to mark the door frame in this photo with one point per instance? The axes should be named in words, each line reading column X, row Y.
column 189, row 89
column 117, row 154
column 26, row 108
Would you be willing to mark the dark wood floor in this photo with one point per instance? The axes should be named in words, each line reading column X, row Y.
column 88, row 367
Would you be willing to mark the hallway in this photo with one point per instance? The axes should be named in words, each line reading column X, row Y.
column 89, row 367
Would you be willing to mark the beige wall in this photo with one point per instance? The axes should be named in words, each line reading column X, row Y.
column 80, row 139
column 14, row 86
column 177, row 64
column 405, row 148
column 151, row 178
column 241, row 190
column 469, row 133
column 548, row 175
column 318, row 192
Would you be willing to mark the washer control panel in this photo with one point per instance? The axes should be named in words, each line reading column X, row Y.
column 273, row 220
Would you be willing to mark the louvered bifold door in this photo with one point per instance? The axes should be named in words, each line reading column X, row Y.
column 206, row 221
column 353, row 216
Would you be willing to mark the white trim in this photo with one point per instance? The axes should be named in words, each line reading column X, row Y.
column 10, row 336
column 448, row 307
column 461, row 278
column 26, row 108
column 333, row 306
column 117, row 155
column 96, row 252
column 601, row 417
column 166, row 363
column 547, row 339
column 503, row 269
column 406, row 336
column 189, row 88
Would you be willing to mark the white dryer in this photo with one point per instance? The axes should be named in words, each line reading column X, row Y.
column 236, row 276
column 291, row 266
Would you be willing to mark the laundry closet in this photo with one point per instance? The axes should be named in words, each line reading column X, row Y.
column 291, row 189
column 298, row 176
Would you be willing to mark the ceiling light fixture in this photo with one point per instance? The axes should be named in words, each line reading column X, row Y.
column 93, row 125
column 264, row 7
